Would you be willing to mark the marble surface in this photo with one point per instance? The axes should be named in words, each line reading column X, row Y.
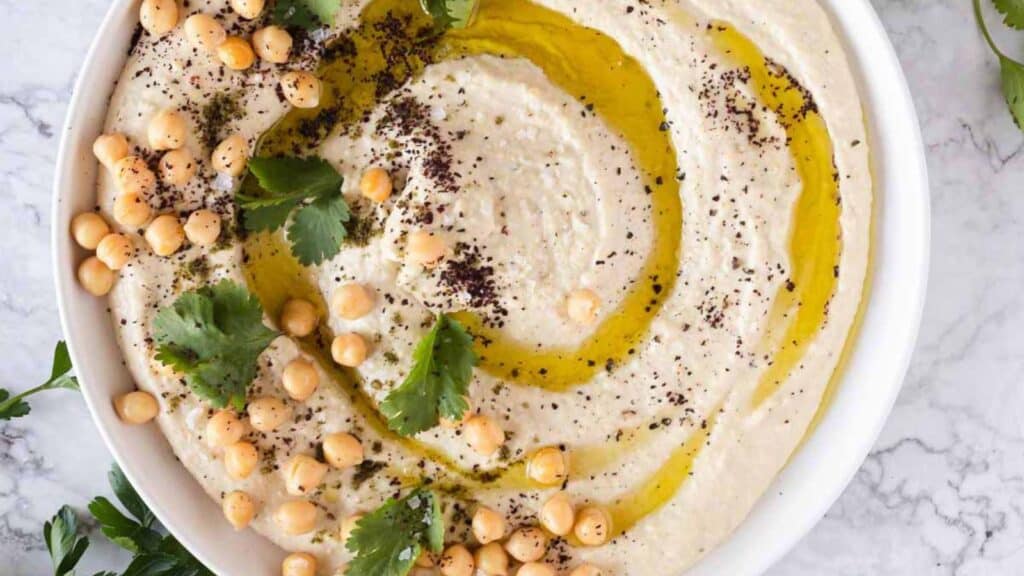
column 942, row 493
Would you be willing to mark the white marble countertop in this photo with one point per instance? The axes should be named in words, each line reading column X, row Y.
column 942, row 492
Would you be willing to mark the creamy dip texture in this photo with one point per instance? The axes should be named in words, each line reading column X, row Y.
column 701, row 165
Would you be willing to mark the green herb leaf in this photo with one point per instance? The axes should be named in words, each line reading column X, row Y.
column 388, row 541
column 214, row 335
column 308, row 14
column 438, row 382
column 312, row 186
column 121, row 530
column 60, row 377
column 1013, row 88
column 451, row 13
column 63, row 542
column 1012, row 11
column 169, row 559
column 129, row 498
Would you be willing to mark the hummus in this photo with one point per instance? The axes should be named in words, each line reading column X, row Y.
column 701, row 165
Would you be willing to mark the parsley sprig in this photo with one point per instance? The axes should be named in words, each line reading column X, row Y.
column 60, row 377
column 388, row 541
column 214, row 335
column 62, row 540
column 1012, row 71
column 451, row 13
column 438, row 382
column 311, row 188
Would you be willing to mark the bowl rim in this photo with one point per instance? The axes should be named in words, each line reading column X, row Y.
column 803, row 491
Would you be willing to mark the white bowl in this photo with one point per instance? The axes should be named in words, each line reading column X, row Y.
column 801, row 495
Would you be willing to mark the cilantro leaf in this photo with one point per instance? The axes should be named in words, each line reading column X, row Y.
column 308, row 14
column 1012, row 11
column 310, row 185
column 451, row 13
column 62, row 540
column 388, row 541
column 438, row 382
column 214, row 335
column 1013, row 88
column 60, row 377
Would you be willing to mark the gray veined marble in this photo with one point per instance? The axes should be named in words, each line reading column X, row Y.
column 941, row 494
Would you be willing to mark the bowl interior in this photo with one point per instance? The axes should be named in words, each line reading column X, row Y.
column 800, row 495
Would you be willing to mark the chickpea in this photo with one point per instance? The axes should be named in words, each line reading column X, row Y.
column 272, row 44
column 527, row 544
column 224, row 429
column 204, row 31
column 488, row 525
column 484, row 435
column 167, row 130
column 587, row 570
column 301, row 89
column 235, row 53
column 165, row 235
column 88, row 229
column 203, row 227
column 95, row 276
column 582, row 306
column 240, row 459
column 131, row 211
column 548, row 466
column 352, row 301
column 491, row 559
column 349, row 350
column 239, row 509
column 348, row 525
column 266, row 413
column 298, row 317
column 296, row 517
column 158, row 17
column 299, row 564
column 177, row 167
column 425, row 249
column 231, row 155
column 457, row 561
column 109, row 148
column 303, row 474
column 300, row 379
column 376, row 184
column 115, row 250
column 136, row 407
column 557, row 514
column 593, row 526
column 535, row 569
column 425, row 559
column 343, row 450
column 445, row 422
column 248, row 9
column 134, row 176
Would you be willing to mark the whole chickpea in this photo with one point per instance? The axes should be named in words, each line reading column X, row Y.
column 425, row 559
column 88, row 229
column 272, row 44
column 425, row 249
column 457, row 561
column 349, row 350
column 239, row 509
column 224, row 429
column 593, row 526
column 203, row 227
column 484, row 435
column 298, row 317
column 299, row 564
column 535, row 569
column 557, row 514
column 167, row 130
column 352, row 301
column 136, row 407
column 131, row 211
column 527, row 544
column 231, row 155
column 158, row 17
column 248, row 9
column 95, row 277
column 177, row 167
column 343, row 450
column 165, row 235
column 240, row 459
column 134, row 176
column 115, row 250
column 582, row 306
column 488, row 525
column 587, row 570
column 548, row 466
column 301, row 89
column 109, row 148
column 236, row 53
column 303, row 474
column 300, row 379
column 296, row 517
column 491, row 559
column 376, row 184
column 267, row 413
column 204, row 31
